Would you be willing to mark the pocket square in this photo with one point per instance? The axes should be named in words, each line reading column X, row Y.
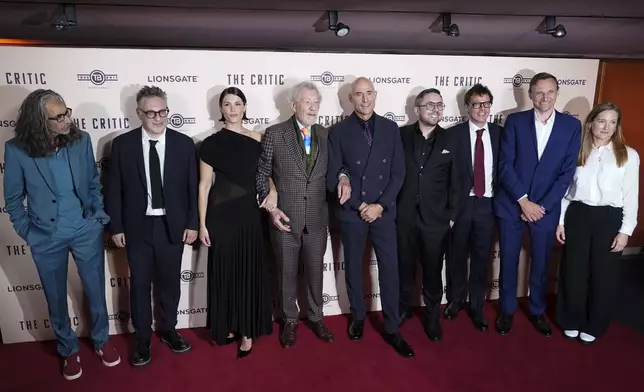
column 445, row 152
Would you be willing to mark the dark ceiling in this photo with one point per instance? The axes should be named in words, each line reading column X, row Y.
column 596, row 28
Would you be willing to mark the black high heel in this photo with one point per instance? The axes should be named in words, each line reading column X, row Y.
column 230, row 340
column 241, row 353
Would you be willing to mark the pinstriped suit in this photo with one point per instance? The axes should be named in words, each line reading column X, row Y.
column 302, row 197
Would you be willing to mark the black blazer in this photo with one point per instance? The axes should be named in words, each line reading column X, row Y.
column 435, row 186
column 126, row 191
column 465, row 165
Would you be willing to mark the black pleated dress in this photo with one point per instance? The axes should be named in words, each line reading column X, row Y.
column 238, row 295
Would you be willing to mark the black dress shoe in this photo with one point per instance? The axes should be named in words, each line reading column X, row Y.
column 287, row 338
column 175, row 341
column 504, row 324
column 322, row 332
column 541, row 325
column 479, row 321
column 434, row 331
column 355, row 330
column 404, row 316
column 141, row 353
column 452, row 309
column 400, row 345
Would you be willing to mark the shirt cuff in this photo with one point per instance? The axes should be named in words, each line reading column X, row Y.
column 627, row 229
column 522, row 197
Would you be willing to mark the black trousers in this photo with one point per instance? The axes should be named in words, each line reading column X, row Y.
column 472, row 236
column 154, row 259
column 428, row 242
column 589, row 272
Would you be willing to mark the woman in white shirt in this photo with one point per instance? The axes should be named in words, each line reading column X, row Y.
column 598, row 215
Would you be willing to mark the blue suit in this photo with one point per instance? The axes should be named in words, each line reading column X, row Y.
column 64, row 211
column 376, row 174
column 545, row 182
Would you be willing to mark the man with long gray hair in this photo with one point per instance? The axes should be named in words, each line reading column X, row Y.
column 50, row 162
column 294, row 155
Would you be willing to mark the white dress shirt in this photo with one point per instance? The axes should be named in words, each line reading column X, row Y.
column 488, row 158
column 543, row 132
column 601, row 183
column 160, row 147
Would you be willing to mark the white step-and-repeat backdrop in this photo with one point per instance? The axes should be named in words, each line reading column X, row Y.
column 100, row 86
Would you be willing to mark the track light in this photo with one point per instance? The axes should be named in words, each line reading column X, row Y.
column 552, row 28
column 67, row 19
column 450, row 29
column 340, row 29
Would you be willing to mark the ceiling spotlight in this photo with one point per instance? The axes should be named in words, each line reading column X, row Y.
column 66, row 19
column 450, row 29
column 340, row 28
column 552, row 28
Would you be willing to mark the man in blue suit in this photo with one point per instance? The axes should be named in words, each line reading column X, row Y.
column 537, row 161
column 368, row 148
column 50, row 162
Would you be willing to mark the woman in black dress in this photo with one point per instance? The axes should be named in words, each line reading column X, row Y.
column 231, row 226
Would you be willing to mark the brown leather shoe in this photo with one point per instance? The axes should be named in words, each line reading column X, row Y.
column 322, row 332
column 287, row 338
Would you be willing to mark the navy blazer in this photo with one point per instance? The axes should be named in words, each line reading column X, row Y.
column 521, row 172
column 32, row 178
column 376, row 173
column 126, row 199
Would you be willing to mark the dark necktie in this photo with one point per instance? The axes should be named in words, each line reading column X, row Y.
column 155, row 176
column 479, row 165
column 367, row 133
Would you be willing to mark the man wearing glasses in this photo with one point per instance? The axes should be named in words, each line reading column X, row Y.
column 473, row 232
column 428, row 205
column 50, row 162
column 151, row 199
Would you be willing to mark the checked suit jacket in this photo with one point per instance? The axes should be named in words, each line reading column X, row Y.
column 301, row 192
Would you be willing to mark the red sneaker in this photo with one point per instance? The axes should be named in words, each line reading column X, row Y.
column 72, row 367
column 109, row 355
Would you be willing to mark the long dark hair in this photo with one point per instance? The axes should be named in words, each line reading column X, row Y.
column 233, row 91
column 32, row 130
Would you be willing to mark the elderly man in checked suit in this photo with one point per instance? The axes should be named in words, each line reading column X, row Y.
column 294, row 156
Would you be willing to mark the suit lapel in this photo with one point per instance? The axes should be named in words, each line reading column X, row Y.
column 467, row 149
column 533, row 135
column 315, row 140
column 138, row 153
column 74, row 157
column 290, row 138
column 407, row 135
column 45, row 172
column 169, row 156
column 494, row 138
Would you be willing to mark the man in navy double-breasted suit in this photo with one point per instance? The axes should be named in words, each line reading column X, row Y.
column 537, row 162
column 368, row 148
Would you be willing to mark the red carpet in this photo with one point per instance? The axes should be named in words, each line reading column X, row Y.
column 465, row 361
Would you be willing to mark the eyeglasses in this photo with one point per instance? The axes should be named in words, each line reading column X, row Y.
column 433, row 105
column 163, row 113
column 61, row 117
column 477, row 105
